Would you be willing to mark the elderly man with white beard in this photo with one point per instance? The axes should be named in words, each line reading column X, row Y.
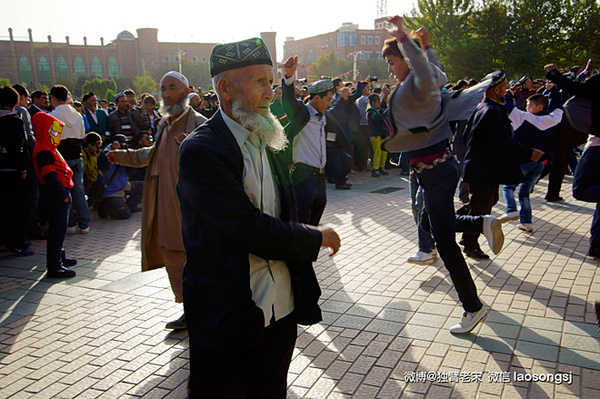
column 248, row 280
column 162, row 243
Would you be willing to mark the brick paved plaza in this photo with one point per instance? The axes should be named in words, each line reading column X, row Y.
column 386, row 321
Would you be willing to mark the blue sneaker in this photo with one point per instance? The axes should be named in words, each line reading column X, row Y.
column 21, row 251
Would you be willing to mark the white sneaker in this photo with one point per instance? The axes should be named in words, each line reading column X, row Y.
column 72, row 230
column 507, row 217
column 492, row 230
column 528, row 227
column 423, row 258
column 469, row 321
column 84, row 231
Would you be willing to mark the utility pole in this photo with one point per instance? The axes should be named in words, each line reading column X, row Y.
column 179, row 55
column 354, row 56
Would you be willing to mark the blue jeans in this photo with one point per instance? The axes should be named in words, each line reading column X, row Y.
column 426, row 242
column 532, row 172
column 439, row 184
column 78, row 195
column 586, row 187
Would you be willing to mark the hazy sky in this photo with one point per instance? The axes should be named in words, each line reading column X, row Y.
column 215, row 21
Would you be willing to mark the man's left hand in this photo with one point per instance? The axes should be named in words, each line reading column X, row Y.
column 330, row 239
column 536, row 155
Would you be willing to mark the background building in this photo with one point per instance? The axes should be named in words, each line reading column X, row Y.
column 36, row 63
column 344, row 42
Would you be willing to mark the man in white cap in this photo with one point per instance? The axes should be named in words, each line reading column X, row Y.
column 194, row 101
column 162, row 243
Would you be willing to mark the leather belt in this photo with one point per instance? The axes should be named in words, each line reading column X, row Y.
column 313, row 169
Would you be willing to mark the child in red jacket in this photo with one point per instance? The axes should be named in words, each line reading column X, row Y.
column 55, row 178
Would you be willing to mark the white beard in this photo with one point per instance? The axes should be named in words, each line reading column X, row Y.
column 266, row 128
column 173, row 110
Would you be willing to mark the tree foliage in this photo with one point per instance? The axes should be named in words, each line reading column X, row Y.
column 329, row 65
column 4, row 82
column 475, row 37
column 98, row 85
column 196, row 73
column 144, row 83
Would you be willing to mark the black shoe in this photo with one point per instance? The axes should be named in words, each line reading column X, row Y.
column 476, row 253
column 178, row 324
column 554, row 199
column 342, row 187
column 375, row 173
column 67, row 261
column 594, row 252
column 61, row 272
column 383, row 172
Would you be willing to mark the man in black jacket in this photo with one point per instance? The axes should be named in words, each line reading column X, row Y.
column 244, row 249
column 13, row 172
column 586, row 182
column 492, row 156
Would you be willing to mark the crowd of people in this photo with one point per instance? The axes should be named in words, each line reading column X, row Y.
column 232, row 183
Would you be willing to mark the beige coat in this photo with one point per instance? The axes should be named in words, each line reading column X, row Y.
column 152, row 257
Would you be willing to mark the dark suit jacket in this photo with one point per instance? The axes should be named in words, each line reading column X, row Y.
column 493, row 156
column 221, row 227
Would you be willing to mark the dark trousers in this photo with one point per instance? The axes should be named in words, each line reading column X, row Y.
column 260, row 373
column 57, row 213
column 586, row 187
column 118, row 207
column 362, row 147
column 564, row 139
column 483, row 199
column 439, row 184
column 338, row 164
column 13, row 213
column 311, row 193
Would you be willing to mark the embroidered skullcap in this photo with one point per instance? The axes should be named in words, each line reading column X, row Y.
column 225, row 57
column 320, row 86
column 176, row 75
column 497, row 78
column 524, row 79
column 119, row 95
column 88, row 96
column 192, row 95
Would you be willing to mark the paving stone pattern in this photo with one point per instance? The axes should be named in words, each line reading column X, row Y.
column 101, row 334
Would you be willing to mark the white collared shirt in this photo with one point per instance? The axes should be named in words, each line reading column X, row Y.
column 309, row 146
column 270, row 280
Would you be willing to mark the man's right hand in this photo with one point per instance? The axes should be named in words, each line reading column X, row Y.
column 290, row 66
column 111, row 157
column 536, row 155
column 331, row 239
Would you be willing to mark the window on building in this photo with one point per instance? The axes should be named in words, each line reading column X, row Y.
column 62, row 69
column 347, row 39
column 379, row 56
column 377, row 42
column 363, row 40
column 113, row 68
column 25, row 69
column 79, row 66
column 338, row 55
column 330, row 42
column 318, row 44
column 44, row 69
column 97, row 67
column 322, row 44
column 370, row 40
